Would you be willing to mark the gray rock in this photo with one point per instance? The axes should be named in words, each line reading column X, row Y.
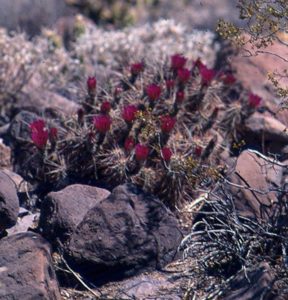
column 9, row 202
column 128, row 232
column 260, row 285
column 62, row 211
column 26, row 270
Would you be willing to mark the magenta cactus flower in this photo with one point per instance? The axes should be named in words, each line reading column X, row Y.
column 105, row 107
column 153, row 92
column 228, row 79
column 180, row 96
column 53, row 133
column 207, row 75
column 129, row 113
column 137, row 68
column 129, row 144
column 167, row 123
column 39, row 133
column 102, row 123
column 166, row 154
column 141, row 152
column 178, row 61
column 170, row 83
column 91, row 84
column 254, row 100
column 183, row 75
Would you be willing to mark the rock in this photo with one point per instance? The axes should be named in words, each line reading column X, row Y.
column 62, row 211
column 154, row 285
column 42, row 100
column 24, row 223
column 259, row 174
column 266, row 127
column 30, row 15
column 252, row 72
column 9, row 203
column 26, row 270
column 128, row 232
column 261, row 280
column 5, row 156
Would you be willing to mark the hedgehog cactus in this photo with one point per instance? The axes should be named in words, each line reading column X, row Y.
column 148, row 128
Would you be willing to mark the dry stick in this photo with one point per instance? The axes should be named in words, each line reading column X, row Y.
column 77, row 276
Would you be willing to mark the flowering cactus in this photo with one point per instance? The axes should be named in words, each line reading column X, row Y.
column 130, row 137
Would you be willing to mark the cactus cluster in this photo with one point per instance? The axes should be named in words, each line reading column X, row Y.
column 155, row 126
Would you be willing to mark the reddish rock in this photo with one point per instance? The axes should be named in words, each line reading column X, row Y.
column 266, row 127
column 260, row 175
column 126, row 233
column 62, row 211
column 26, row 270
column 9, row 202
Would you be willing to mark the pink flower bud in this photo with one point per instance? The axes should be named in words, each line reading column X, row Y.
column 137, row 68
column 170, row 83
column 153, row 91
column 180, row 96
column 91, row 84
column 141, row 152
column 228, row 79
column 102, row 123
column 207, row 75
column 198, row 151
column 254, row 100
column 178, row 61
column 167, row 123
column 166, row 153
column 105, row 107
column 129, row 113
column 183, row 75
column 39, row 134
column 198, row 63
column 129, row 144
column 53, row 134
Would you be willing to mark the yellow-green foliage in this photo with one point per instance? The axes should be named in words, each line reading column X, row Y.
column 265, row 22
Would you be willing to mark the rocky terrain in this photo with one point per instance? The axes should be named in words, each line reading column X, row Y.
column 146, row 162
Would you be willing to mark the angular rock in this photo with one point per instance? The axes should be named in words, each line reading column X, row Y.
column 260, row 175
column 9, row 202
column 45, row 100
column 128, row 232
column 24, row 223
column 266, row 127
column 26, row 270
column 5, row 156
column 62, row 211
column 154, row 285
column 259, row 287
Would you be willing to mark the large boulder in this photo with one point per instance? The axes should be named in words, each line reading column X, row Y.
column 30, row 15
column 62, row 211
column 26, row 270
column 9, row 202
column 253, row 184
column 128, row 232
